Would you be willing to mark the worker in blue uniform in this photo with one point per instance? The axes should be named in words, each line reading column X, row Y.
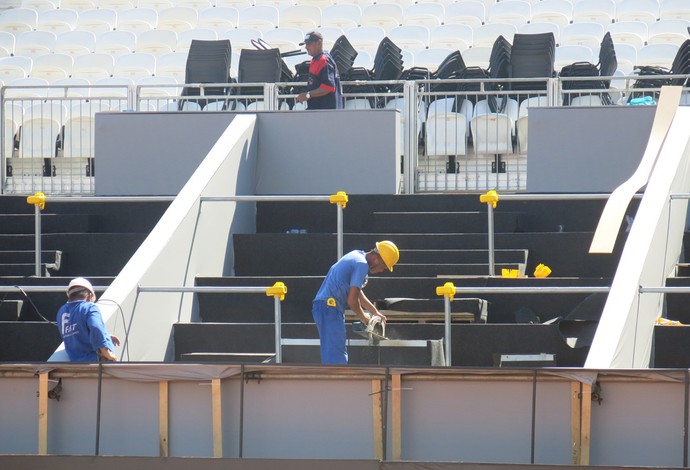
column 343, row 287
column 81, row 325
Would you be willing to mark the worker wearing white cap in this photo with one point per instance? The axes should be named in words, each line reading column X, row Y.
column 342, row 288
column 81, row 325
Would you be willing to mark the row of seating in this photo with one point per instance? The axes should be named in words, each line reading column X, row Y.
column 386, row 15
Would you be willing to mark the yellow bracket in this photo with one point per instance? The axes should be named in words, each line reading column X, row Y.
column 339, row 198
column 542, row 270
column 446, row 290
column 38, row 199
column 491, row 197
column 277, row 290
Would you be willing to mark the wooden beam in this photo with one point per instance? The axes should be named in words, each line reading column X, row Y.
column 586, row 423
column 575, row 394
column 217, row 418
column 163, row 418
column 43, row 413
column 396, row 423
column 377, row 418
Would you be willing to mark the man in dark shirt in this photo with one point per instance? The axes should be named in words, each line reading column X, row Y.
column 323, row 85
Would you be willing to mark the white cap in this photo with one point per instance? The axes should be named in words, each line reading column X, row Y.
column 83, row 283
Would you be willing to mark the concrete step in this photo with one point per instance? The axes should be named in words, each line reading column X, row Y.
column 49, row 257
column 50, row 223
column 10, row 310
column 463, row 256
column 447, row 222
column 457, row 269
column 24, row 269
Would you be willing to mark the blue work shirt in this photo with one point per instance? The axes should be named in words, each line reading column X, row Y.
column 83, row 331
column 349, row 271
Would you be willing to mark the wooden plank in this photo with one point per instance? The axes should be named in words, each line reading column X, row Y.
column 163, row 418
column 586, row 422
column 43, row 413
column 575, row 388
column 396, row 422
column 609, row 224
column 217, row 419
column 377, row 418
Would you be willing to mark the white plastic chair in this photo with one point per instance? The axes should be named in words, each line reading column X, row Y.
column 523, row 112
column 136, row 65
column 40, row 128
column 485, row 35
column 399, row 104
column 385, row 15
column 7, row 41
column 515, row 12
column 582, row 34
column 40, row 5
column 14, row 114
column 15, row 67
column 234, row 3
column 178, row 19
column 285, row 39
column 185, row 38
column 75, row 43
column 17, row 20
column 261, row 17
column 492, row 133
column 156, row 41
column 116, row 43
column 571, row 53
column 586, row 100
column 424, row 14
column 241, row 38
column 674, row 9
column 69, row 87
column 97, row 20
column 594, row 11
column 452, row 36
column 634, row 33
column 33, row 43
column 671, row 31
column 137, row 19
column 626, row 56
column 79, row 129
column 431, row 58
column 81, row 5
column 330, row 35
column 52, row 66
column 116, row 88
column 477, row 56
column 198, row 4
column 356, row 103
column 342, row 15
column 218, row 18
column 364, row 59
column 172, row 65
column 32, row 87
column 365, row 38
column 304, row 17
column 410, row 37
column 57, row 21
column 646, row 11
column 446, row 129
column 155, row 4
column 657, row 55
column 93, row 66
column 559, row 12
column 472, row 13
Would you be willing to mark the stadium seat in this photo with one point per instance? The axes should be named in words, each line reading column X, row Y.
column 330, row 35
column 79, row 129
column 586, row 100
column 646, row 11
column 198, row 4
column 153, row 92
column 485, row 35
column 97, row 20
column 634, row 33
column 523, row 112
column 477, row 56
column 365, row 38
column 136, row 65
column 40, row 5
column 424, row 14
column 304, row 17
column 40, row 128
column 657, row 55
column 172, row 65
column 156, row 41
column 364, row 59
column 410, row 37
column 559, row 12
column 492, row 132
column 431, row 58
column 14, row 114
column 15, row 67
column 571, row 53
column 468, row 12
column 402, row 3
column 113, row 89
column 385, row 15
column 218, row 18
column 178, row 19
column 344, row 15
column 33, row 43
column 317, row 3
column 674, row 10
column 452, row 36
column 399, row 104
column 52, row 66
column 28, row 88
column 538, row 28
column 7, row 41
column 18, row 20
column 116, row 4
column 597, row 11
column 355, row 103
column 447, row 127
column 626, row 56
column 75, row 43
column 69, row 87
column 671, row 31
column 155, row 4
column 234, row 3
column 261, row 18
column 93, row 66
column 116, row 43
column 57, row 21
column 517, row 12
column 81, row 5
column 241, row 38
column 185, row 38
column 137, row 19
column 582, row 34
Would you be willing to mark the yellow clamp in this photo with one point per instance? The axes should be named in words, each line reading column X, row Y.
column 331, row 302
column 38, row 199
column 447, row 289
column 277, row 290
column 491, row 197
column 542, row 270
column 339, row 198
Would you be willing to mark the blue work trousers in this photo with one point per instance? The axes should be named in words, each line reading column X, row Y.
column 331, row 324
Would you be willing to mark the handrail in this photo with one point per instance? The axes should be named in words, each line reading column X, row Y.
column 277, row 291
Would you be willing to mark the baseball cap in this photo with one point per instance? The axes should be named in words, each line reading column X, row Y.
column 311, row 37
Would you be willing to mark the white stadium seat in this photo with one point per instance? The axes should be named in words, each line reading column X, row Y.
column 492, row 133
column 305, row 17
column 178, row 19
column 657, row 55
column 75, row 43
column 634, row 33
column 93, row 66
column 137, row 65
column 261, row 17
column 185, row 38
column 97, row 20
column 17, row 20
column 523, row 112
column 515, row 12
column 33, row 43
column 477, row 56
column 597, row 11
column 559, row 12
column 116, row 43
column 52, row 66
column 385, row 15
column 57, row 21
column 453, row 36
column 638, row 10
column 156, row 41
column 447, row 128
column 40, row 128
column 583, row 34
column 343, row 15
column 365, row 38
column 218, row 18
column 15, row 67
column 137, row 19
column 172, row 65
column 674, row 9
column 7, row 41
column 672, row 31
column 410, row 37
column 472, row 13
column 485, row 35
column 570, row 53
column 424, row 14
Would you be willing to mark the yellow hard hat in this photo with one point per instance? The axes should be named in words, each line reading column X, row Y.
column 389, row 253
